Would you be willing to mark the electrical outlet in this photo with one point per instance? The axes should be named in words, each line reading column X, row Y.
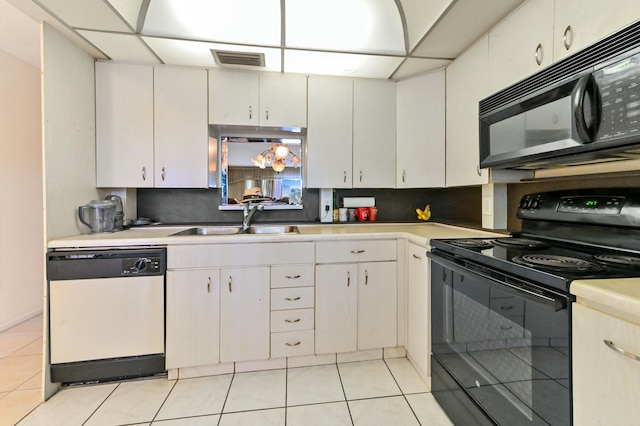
column 326, row 205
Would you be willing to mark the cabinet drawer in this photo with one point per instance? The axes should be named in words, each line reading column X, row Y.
column 292, row 298
column 292, row 320
column 355, row 251
column 292, row 276
column 292, row 343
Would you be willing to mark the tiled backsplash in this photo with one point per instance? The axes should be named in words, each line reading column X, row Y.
column 460, row 205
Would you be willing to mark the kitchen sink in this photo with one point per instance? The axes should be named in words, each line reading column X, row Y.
column 233, row 230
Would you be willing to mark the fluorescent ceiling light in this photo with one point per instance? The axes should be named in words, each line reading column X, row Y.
column 345, row 26
column 254, row 22
column 340, row 64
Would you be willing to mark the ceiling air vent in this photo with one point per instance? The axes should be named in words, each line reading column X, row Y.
column 224, row 57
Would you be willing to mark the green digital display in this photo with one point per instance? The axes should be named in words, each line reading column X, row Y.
column 591, row 203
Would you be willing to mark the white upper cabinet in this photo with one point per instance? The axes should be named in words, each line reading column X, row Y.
column 124, row 125
column 421, row 131
column 578, row 25
column 181, row 131
column 283, row 100
column 521, row 44
column 151, row 126
column 257, row 99
column 234, row 97
column 374, row 133
column 329, row 132
column 467, row 84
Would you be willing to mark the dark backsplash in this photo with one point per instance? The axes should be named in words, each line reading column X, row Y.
column 177, row 206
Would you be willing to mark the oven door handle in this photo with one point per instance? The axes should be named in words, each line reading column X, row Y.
column 521, row 291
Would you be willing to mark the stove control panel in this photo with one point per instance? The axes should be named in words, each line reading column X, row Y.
column 591, row 204
column 601, row 206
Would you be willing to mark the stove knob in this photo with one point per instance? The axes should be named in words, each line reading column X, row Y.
column 535, row 204
column 523, row 203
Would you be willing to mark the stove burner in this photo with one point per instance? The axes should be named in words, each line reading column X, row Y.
column 471, row 243
column 557, row 263
column 619, row 260
column 520, row 243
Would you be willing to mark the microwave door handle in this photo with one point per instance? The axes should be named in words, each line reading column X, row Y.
column 587, row 110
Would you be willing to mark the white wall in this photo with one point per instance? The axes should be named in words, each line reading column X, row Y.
column 69, row 133
column 21, row 193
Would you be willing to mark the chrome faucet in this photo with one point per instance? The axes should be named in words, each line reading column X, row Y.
column 247, row 215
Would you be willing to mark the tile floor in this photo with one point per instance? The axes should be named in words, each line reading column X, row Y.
column 20, row 370
column 379, row 392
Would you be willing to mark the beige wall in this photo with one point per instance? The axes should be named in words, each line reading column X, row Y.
column 69, row 133
column 21, row 196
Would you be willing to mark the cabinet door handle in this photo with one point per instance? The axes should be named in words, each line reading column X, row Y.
column 293, row 321
column 360, row 175
column 293, row 344
column 567, row 37
column 478, row 171
column 357, row 251
column 292, row 299
column 230, row 279
column 366, row 277
column 267, row 113
column 404, row 175
column 621, row 351
column 538, row 54
column 415, row 256
column 344, row 177
column 209, row 285
column 348, row 279
column 506, row 308
column 163, row 174
column 250, row 112
column 144, row 173
column 292, row 277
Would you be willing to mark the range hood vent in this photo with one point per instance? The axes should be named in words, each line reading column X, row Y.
column 227, row 57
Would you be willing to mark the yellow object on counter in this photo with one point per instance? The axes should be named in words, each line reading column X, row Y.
column 424, row 214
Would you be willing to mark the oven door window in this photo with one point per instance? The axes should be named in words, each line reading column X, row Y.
column 508, row 352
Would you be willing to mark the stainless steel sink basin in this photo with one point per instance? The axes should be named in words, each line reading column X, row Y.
column 210, row 230
column 232, row 230
column 276, row 229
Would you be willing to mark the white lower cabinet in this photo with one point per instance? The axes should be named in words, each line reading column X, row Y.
column 244, row 314
column 418, row 309
column 193, row 316
column 606, row 383
column 356, row 305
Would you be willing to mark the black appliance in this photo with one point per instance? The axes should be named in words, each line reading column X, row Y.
column 501, row 307
column 582, row 109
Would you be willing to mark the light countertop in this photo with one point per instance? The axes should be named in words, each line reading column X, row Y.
column 619, row 297
column 419, row 233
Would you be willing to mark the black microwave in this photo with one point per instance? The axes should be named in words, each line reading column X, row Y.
column 592, row 116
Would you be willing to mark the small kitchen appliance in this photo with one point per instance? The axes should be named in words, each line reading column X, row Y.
column 501, row 307
column 98, row 215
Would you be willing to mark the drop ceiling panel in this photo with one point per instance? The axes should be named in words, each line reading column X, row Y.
column 415, row 66
column 421, row 15
column 340, row 64
column 87, row 14
column 128, row 9
column 121, row 47
column 372, row 26
column 198, row 54
column 466, row 22
column 224, row 21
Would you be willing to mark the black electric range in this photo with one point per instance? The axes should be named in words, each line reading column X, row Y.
column 501, row 310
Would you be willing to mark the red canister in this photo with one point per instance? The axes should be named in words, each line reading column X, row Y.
column 362, row 213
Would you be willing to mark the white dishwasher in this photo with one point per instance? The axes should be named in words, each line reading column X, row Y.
column 106, row 314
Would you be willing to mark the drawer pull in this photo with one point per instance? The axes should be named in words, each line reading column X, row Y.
column 366, row 277
column 293, row 321
column 293, row 344
column 230, row 279
column 506, row 327
column 415, row 256
column 348, row 279
column 621, row 351
column 292, row 299
column 357, row 251
column 292, row 277
column 209, row 285
column 506, row 308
